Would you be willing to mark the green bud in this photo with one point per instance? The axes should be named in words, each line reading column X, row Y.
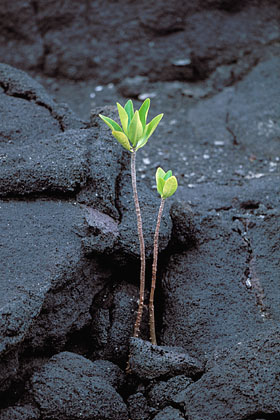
column 166, row 183
column 135, row 130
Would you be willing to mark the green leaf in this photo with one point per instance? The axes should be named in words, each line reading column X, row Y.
column 160, row 173
column 122, row 139
column 129, row 110
column 160, row 180
column 160, row 186
column 150, row 128
column 143, row 111
column 170, row 187
column 111, row 123
column 167, row 175
column 141, row 143
column 135, row 130
column 123, row 117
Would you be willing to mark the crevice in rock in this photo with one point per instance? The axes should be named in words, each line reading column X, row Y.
column 32, row 97
column 235, row 142
column 250, row 276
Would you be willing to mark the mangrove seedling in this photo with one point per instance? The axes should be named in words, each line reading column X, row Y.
column 133, row 134
column 166, row 186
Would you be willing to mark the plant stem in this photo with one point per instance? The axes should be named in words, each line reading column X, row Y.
column 142, row 247
column 154, row 277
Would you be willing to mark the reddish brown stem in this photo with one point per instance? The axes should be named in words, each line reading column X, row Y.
column 154, row 277
column 142, row 247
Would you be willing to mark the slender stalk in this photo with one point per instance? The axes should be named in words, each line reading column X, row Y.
column 154, row 277
column 142, row 247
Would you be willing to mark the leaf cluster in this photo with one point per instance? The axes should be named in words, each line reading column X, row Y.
column 135, row 131
column 166, row 183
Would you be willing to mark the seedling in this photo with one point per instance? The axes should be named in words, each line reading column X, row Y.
column 133, row 135
column 166, row 186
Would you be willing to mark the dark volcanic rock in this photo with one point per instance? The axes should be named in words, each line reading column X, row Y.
column 67, row 388
column 169, row 413
column 24, row 412
column 47, row 285
column 138, row 407
column 241, row 382
column 149, row 361
column 164, row 393
column 206, row 289
column 49, row 35
column 18, row 84
column 113, row 317
column 109, row 372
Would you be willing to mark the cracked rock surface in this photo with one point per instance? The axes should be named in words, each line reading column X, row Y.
column 68, row 236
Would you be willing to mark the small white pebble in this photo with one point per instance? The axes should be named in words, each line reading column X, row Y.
column 219, row 143
column 205, row 156
column 219, row 171
column 191, row 185
column 144, row 96
column 92, row 95
column 182, row 62
column 99, row 88
column 143, row 176
column 272, row 164
column 146, row 161
column 173, row 122
column 110, row 85
column 248, row 284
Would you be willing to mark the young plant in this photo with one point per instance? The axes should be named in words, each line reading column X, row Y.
column 166, row 186
column 132, row 135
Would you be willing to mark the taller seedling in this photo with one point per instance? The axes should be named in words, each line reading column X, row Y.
column 133, row 135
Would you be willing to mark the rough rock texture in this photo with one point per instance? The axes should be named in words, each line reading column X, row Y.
column 138, row 407
column 164, row 393
column 149, row 361
column 46, row 230
column 239, row 383
column 69, row 250
column 169, row 413
column 47, row 285
column 215, row 307
column 23, row 412
column 113, row 321
column 67, row 388
column 48, row 36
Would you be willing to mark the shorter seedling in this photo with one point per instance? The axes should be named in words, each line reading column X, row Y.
column 166, row 186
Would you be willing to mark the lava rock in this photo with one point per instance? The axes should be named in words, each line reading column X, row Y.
column 260, row 122
column 169, row 413
column 109, row 372
column 132, row 87
column 138, row 407
column 183, row 230
column 113, row 318
column 47, row 284
column 164, row 393
column 18, row 84
column 239, row 382
column 66, row 387
column 210, row 302
column 20, row 412
column 149, row 361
